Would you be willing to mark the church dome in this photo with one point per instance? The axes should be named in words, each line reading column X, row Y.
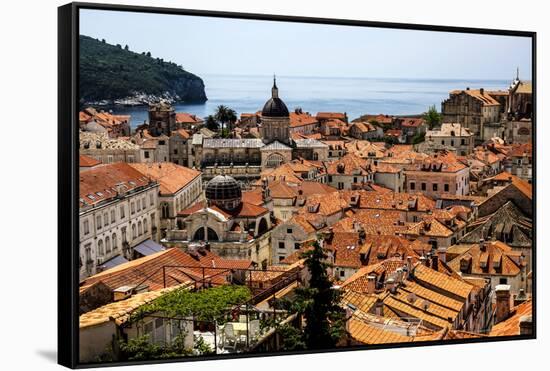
column 224, row 191
column 275, row 107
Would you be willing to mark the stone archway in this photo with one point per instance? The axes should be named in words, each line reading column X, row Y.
column 274, row 160
column 211, row 235
column 262, row 227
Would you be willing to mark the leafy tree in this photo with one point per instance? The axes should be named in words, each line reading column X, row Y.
column 211, row 123
column 319, row 306
column 148, row 54
column 103, row 41
column 418, row 138
column 225, row 115
column 126, row 47
column 432, row 117
column 141, row 348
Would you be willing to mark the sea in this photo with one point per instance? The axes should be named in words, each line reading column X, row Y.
column 354, row 95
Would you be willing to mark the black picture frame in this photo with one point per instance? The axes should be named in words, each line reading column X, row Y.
column 68, row 170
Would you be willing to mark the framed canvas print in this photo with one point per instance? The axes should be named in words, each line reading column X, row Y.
column 235, row 185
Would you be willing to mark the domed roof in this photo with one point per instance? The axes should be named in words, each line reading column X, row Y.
column 94, row 127
column 223, row 187
column 275, row 107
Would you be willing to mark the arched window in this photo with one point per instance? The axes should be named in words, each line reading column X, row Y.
column 145, row 228
column 140, row 229
column 134, row 235
column 524, row 131
column 274, row 160
column 100, row 250
column 115, row 242
column 105, row 219
column 164, row 211
column 107, row 245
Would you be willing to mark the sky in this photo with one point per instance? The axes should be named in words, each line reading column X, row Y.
column 205, row 45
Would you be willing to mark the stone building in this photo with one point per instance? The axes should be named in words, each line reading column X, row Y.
column 233, row 228
column 108, row 150
column 114, row 126
column 275, row 120
column 473, row 108
column 162, row 119
column 179, row 145
column 453, row 135
column 118, row 211
column 180, row 187
column 440, row 173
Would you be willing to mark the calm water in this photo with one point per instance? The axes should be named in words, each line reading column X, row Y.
column 356, row 96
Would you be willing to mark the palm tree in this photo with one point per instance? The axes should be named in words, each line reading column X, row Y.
column 211, row 123
column 432, row 117
column 225, row 115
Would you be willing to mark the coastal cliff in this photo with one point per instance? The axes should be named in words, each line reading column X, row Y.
column 112, row 74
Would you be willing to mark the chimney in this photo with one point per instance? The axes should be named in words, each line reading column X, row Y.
column 390, row 285
column 379, row 308
column 526, row 325
column 481, row 91
column 442, row 254
column 520, row 298
column 410, row 267
column 503, row 302
column 435, row 261
column 371, row 284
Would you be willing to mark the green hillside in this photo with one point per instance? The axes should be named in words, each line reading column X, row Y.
column 109, row 72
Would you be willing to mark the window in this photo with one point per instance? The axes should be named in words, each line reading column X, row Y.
column 503, row 281
column 463, row 142
column 281, row 258
column 423, row 186
column 289, row 230
column 146, row 154
column 134, row 235
column 133, row 208
column 124, row 237
column 115, row 244
column 145, row 228
column 443, row 142
column 122, row 212
column 86, row 227
column 340, row 185
column 446, row 186
column 151, row 199
column 412, row 186
column 140, row 228
column 281, row 245
column 107, row 244
column 342, row 273
column 113, row 216
column 100, row 251
column 105, row 219
column 164, row 211
column 434, row 186
column 98, row 222
column 297, row 246
column 452, row 143
column 175, row 151
column 138, row 205
column 330, row 178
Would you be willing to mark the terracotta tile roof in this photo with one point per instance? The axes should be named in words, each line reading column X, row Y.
column 171, row 177
column 365, row 149
column 403, row 306
column 330, row 116
column 253, row 197
column 87, row 161
column 442, row 161
column 444, row 282
column 510, row 326
column 390, row 200
column 148, row 270
column 120, row 311
column 522, row 185
column 369, row 334
column 283, row 172
column 380, row 118
column 187, row 118
column 494, row 258
column 428, row 227
column 349, row 164
column 485, row 98
column 100, row 183
column 372, row 221
column 411, row 122
column 301, row 119
column 182, row 133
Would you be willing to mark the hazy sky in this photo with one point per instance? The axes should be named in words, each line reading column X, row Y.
column 232, row 46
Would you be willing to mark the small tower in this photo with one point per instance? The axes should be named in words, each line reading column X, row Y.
column 275, row 118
